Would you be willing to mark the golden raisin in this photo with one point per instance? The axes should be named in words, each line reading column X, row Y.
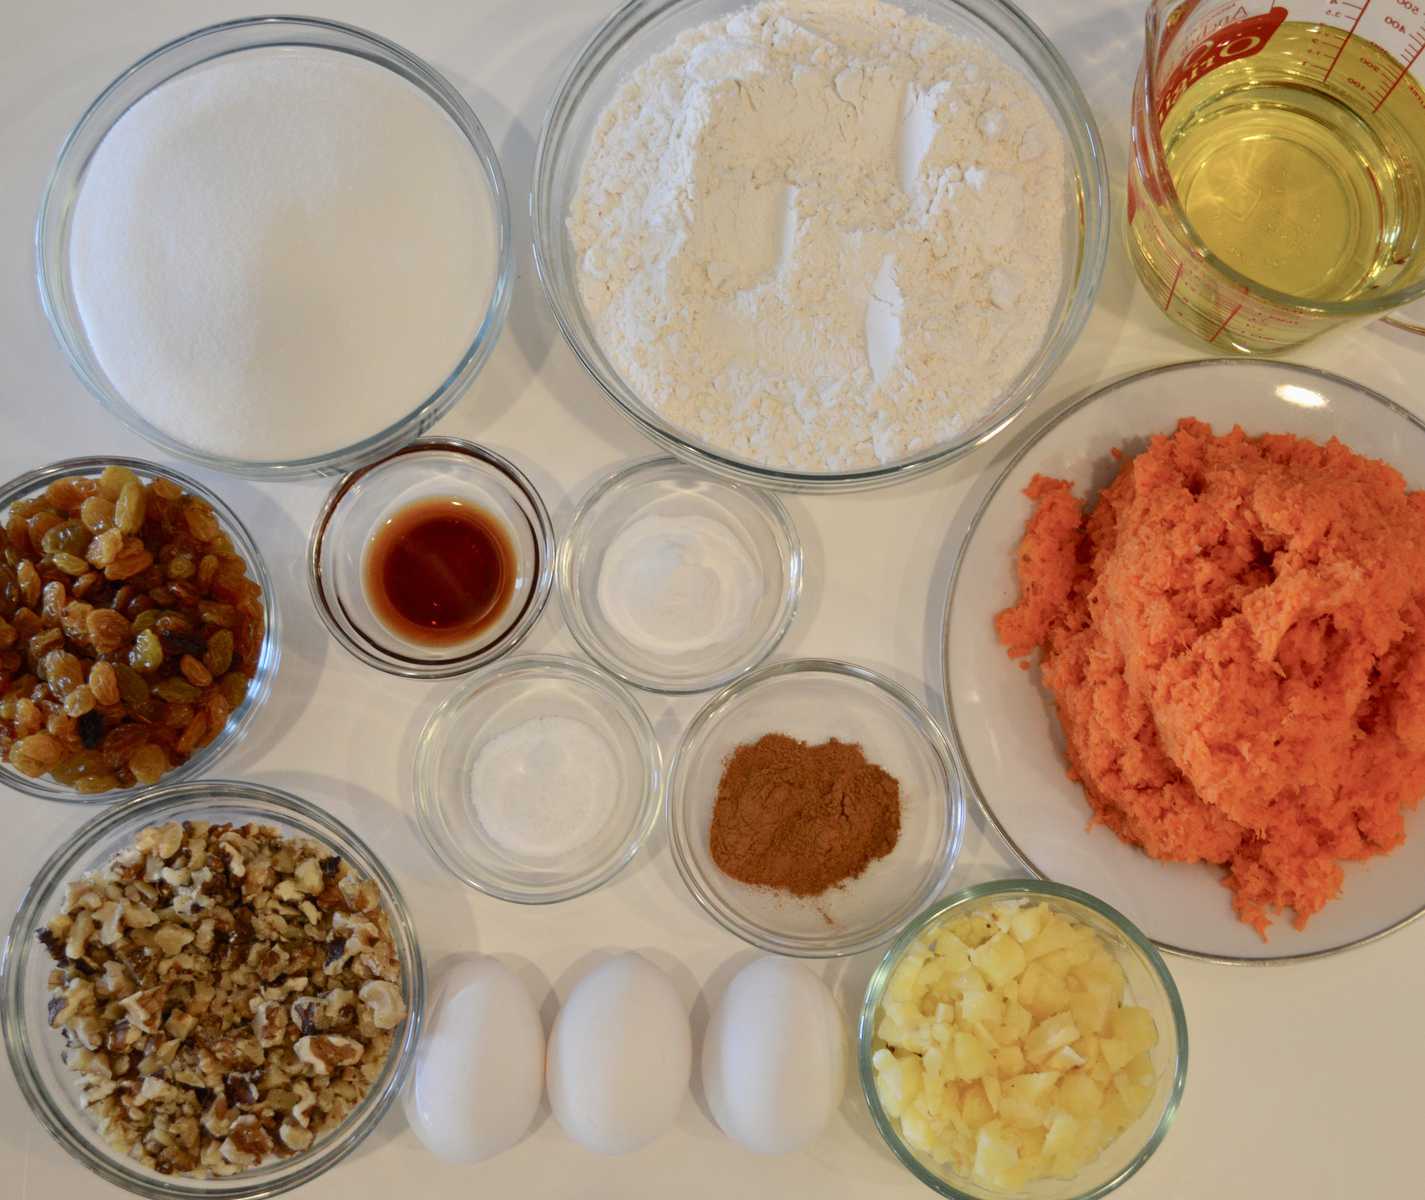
column 104, row 684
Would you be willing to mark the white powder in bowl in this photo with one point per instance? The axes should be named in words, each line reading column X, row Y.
column 673, row 586
column 545, row 787
column 823, row 234
column 281, row 252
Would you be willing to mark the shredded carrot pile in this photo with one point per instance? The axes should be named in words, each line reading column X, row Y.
column 1234, row 638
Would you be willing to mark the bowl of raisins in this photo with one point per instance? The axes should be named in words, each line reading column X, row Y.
column 138, row 634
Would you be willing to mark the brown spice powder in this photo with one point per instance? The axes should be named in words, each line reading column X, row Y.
column 802, row 818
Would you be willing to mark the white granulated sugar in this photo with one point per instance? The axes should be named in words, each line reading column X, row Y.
column 822, row 234
column 281, row 252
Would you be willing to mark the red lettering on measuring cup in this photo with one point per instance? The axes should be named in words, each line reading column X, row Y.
column 1241, row 39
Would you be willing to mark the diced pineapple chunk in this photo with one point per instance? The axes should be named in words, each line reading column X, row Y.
column 1000, row 959
column 1090, row 1009
column 1008, row 1053
column 1028, row 922
column 1049, row 1035
column 1056, row 934
column 971, row 1058
column 985, row 1007
column 995, row 1150
column 1079, row 1094
column 1009, row 1060
column 1018, row 1021
column 1025, row 1098
column 1065, row 1058
column 953, row 954
column 1115, row 1052
column 969, row 981
column 976, row 1107
column 1135, row 1027
column 1063, row 1135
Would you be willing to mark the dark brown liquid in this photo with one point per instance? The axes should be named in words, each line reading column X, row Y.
column 440, row 571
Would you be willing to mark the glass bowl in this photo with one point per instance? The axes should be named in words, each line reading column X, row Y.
column 371, row 495
column 52, row 230
column 258, row 687
column 815, row 699
column 1149, row 985
column 675, row 490
column 1003, row 722
column 34, row 1048
column 643, row 28
column 503, row 698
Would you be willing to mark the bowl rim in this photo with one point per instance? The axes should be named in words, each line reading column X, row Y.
column 921, row 721
column 1014, row 455
column 184, row 801
column 56, row 211
column 657, row 469
column 1087, row 166
column 540, row 666
column 974, row 895
column 269, row 655
column 546, row 544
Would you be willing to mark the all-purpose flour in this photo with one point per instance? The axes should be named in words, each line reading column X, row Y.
column 822, row 234
column 281, row 252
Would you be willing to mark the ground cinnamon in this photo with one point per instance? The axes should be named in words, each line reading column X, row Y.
column 802, row 818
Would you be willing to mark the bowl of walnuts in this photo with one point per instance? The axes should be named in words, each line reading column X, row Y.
column 213, row 989
column 138, row 634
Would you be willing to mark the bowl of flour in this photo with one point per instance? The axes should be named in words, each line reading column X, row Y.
column 277, row 246
column 820, row 244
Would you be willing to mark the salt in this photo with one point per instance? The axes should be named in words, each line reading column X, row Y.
column 545, row 787
column 281, row 252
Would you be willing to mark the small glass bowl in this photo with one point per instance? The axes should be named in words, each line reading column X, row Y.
column 52, row 230
column 360, row 503
column 34, row 1048
column 815, row 699
column 258, row 687
column 675, row 489
column 495, row 701
column 1150, row 985
column 643, row 28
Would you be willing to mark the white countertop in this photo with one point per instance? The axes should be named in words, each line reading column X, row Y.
column 1304, row 1080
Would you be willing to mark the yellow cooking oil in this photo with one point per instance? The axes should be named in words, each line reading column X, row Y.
column 1301, row 166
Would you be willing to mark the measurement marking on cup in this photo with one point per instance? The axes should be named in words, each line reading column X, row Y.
column 1346, row 41
column 1167, row 304
column 1404, row 71
column 1218, row 332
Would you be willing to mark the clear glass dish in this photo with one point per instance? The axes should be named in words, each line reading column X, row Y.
column 34, row 1048
column 258, row 688
column 52, row 229
column 1002, row 721
column 1150, row 985
column 641, row 29
column 497, row 700
column 816, row 699
column 668, row 487
column 370, row 495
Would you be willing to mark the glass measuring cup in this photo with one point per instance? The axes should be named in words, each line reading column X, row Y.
column 1276, row 179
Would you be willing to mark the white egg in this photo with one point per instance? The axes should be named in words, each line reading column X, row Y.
column 774, row 1059
column 479, row 1068
column 620, row 1056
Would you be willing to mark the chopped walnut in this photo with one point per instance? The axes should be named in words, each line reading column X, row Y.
column 227, row 995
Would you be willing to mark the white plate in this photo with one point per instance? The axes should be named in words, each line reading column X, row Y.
column 1002, row 721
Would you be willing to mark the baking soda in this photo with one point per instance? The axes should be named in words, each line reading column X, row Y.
column 281, row 252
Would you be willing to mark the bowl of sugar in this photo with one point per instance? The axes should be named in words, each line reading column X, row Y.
column 277, row 247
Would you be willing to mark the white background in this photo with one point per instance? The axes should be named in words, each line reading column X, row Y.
column 1304, row 1080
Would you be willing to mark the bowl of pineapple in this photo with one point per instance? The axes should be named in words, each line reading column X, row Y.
column 1022, row 1039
